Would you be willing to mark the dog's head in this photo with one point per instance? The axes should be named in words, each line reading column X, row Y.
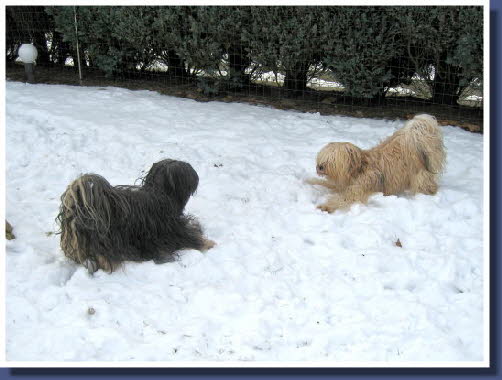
column 177, row 179
column 340, row 162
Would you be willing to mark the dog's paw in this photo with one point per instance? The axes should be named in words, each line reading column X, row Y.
column 311, row 181
column 164, row 257
column 91, row 265
column 326, row 208
column 208, row 244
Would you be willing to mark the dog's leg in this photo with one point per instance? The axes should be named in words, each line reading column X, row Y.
column 424, row 182
column 167, row 257
column 192, row 238
column 208, row 244
column 93, row 265
column 322, row 182
column 107, row 265
column 353, row 194
column 164, row 257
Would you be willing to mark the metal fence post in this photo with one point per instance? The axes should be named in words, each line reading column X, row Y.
column 78, row 49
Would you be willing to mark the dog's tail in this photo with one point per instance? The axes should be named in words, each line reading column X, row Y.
column 423, row 134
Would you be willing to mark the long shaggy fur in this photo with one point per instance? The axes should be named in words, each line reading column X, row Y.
column 411, row 160
column 101, row 226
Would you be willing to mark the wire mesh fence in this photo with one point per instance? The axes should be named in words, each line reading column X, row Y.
column 362, row 61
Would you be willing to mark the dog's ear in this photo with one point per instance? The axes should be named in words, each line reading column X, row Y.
column 356, row 159
column 182, row 181
column 176, row 179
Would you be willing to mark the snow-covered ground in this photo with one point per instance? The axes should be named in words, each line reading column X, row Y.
column 317, row 82
column 475, row 98
column 401, row 90
column 286, row 282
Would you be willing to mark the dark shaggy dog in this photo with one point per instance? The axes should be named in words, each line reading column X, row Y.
column 103, row 226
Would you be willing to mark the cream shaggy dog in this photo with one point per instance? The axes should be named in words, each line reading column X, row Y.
column 411, row 160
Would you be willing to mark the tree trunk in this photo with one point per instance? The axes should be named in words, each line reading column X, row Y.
column 175, row 65
column 238, row 63
column 446, row 84
column 378, row 99
column 40, row 43
column 60, row 49
column 295, row 81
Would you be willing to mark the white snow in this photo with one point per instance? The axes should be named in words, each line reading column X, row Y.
column 401, row 90
column 475, row 98
column 317, row 82
column 286, row 282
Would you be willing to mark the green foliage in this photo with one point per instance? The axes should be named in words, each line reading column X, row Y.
column 115, row 39
column 170, row 29
column 285, row 39
column 185, row 31
column 227, row 26
column 208, row 39
column 363, row 48
column 468, row 52
column 445, row 45
column 368, row 49
column 209, row 86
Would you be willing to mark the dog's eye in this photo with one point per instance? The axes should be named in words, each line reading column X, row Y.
column 321, row 167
